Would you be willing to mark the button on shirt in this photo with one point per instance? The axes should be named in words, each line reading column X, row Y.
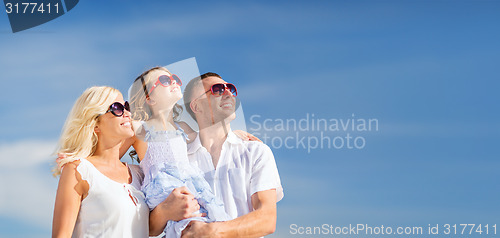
column 244, row 168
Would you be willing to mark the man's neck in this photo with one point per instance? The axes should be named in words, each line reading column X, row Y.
column 213, row 137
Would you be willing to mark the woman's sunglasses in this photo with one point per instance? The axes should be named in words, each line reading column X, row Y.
column 219, row 88
column 118, row 109
column 166, row 81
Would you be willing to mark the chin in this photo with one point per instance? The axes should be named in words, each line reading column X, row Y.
column 231, row 116
column 174, row 99
column 176, row 95
column 128, row 134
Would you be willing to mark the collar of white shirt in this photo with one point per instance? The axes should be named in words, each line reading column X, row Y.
column 196, row 144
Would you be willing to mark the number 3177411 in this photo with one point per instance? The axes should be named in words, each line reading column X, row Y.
column 31, row 8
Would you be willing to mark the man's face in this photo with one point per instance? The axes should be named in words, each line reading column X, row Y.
column 215, row 108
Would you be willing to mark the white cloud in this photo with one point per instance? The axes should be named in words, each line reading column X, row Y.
column 28, row 186
column 27, row 153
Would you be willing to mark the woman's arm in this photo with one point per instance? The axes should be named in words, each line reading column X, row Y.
column 139, row 145
column 70, row 192
column 126, row 145
column 189, row 131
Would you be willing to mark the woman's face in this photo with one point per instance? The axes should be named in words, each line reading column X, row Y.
column 111, row 126
column 164, row 96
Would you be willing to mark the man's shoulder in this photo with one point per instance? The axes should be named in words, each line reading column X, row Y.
column 234, row 139
column 257, row 149
column 256, row 145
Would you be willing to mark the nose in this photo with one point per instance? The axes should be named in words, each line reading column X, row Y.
column 126, row 113
column 178, row 84
column 227, row 92
column 227, row 89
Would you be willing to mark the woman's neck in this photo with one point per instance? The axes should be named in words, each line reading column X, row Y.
column 108, row 152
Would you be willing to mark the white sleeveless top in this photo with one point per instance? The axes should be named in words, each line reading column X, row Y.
column 111, row 209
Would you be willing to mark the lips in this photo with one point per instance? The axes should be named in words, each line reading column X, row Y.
column 126, row 124
column 227, row 105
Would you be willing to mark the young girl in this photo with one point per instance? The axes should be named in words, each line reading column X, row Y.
column 160, row 144
column 98, row 195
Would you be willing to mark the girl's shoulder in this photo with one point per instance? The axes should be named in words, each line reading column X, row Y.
column 191, row 134
column 138, row 126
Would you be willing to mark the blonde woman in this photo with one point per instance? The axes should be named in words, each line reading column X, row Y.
column 98, row 195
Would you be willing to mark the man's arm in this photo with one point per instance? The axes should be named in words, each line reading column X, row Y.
column 260, row 222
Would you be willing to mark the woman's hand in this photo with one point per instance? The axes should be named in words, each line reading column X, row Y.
column 60, row 157
column 246, row 136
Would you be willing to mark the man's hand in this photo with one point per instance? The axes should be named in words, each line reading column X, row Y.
column 259, row 222
column 179, row 205
column 199, row 229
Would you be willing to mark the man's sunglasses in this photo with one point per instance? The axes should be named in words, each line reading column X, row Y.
column 219, row 88
column 118, row 109
column 166, row 81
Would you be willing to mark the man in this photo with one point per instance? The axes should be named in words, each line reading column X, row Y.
column 243, row 174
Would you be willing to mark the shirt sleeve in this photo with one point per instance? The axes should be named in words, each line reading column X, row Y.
column 265, row 174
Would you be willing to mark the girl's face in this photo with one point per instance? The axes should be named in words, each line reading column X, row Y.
column 112, row 126
column 166, row 90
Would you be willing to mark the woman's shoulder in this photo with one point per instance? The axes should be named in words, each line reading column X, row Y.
column 72, row 165
column 84, row 169
column 76, row 169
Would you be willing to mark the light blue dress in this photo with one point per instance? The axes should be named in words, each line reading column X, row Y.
column 166, row 167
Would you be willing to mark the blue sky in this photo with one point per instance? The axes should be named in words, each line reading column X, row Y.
column 424, row 69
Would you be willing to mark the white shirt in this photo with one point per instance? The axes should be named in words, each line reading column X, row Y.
column 244, row 168
column 111, row 209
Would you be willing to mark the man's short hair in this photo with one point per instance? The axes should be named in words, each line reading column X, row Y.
column 188, row 91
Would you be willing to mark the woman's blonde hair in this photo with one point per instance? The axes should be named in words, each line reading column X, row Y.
column 78, row 138
column 138, row 95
